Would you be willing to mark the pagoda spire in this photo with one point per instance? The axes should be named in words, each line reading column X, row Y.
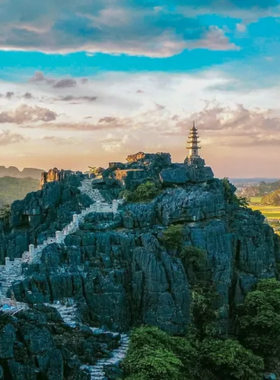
column 193, row 143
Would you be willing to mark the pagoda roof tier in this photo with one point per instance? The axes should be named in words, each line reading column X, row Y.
column 193, row 137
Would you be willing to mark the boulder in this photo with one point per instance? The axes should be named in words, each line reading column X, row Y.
column 174, row 176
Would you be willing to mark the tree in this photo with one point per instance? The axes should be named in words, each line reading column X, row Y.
column 259, row 320
column 143, row 193
column 150, row 356
column 230, row 195
column 228, row 359
column 173, row 237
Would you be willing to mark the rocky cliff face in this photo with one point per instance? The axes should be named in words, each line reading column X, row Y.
column 40, row 214
column 116, row 267
column 36, row 344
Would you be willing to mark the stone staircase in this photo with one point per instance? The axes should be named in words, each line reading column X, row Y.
column 68, row 311
column 6, row 281
column 97, row 372
column 93, row 194
column 8, row 274
column 11, row 307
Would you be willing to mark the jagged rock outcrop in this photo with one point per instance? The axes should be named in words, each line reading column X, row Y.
column 140, row 167
column 117, row 267
column 37, row 344
column 54, row 175
column 40, row 214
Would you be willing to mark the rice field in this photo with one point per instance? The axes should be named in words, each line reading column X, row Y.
column 255, row 200
column 272, row 213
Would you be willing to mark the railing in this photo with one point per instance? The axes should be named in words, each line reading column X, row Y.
column 34, row 252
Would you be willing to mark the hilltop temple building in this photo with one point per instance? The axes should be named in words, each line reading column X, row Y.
column 193, row 143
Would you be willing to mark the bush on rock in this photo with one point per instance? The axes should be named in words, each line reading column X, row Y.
column 144, row 193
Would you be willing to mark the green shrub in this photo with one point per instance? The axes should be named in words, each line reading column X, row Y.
column 231, row 197
column 155, row 355
column 5, row 213
column 194, row 256
column 204, row 313
column 259, row 319
column 143, row 193
column 173, row 236
column 150, row 356
column 228, row 359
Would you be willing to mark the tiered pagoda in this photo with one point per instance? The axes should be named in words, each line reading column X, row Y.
column 193, row 144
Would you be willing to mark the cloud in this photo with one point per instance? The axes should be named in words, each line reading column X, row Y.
column 65, row 83
column 247, row 10
column 27, row 95
column 77, row 126
column 9, row 94
column 215, row 39
column 232, row 125
column 159, row 107
column 69, row 98
column 7, row 137
column 137, row 28
column 27, row 114
column 241, row 28
column 40, row 78
column 112, row 143
column 60, row 140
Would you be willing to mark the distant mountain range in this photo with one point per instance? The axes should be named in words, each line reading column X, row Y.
column 14, row 172
column 259, row 190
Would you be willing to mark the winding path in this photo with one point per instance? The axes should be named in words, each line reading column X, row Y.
column 68, row 313
column 12, row 270
column 97, row 371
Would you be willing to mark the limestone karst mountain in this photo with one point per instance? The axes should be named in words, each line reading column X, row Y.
column 14, row 172
column 111, row 270
column 272, row 199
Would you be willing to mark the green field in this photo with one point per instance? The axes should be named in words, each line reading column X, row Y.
column 272, row 213
column 255, row 200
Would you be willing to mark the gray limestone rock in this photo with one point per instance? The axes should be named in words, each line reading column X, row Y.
column 116, row 267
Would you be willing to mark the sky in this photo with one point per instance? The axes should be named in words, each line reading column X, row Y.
column 87, row 82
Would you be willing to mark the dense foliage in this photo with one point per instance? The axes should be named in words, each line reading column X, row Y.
column 151, row 356
column 259, row 320
column 143, row 193
column 228, row 359
column 193, row 256
column 201, row 354
column 173, row 236
column 155, row 355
